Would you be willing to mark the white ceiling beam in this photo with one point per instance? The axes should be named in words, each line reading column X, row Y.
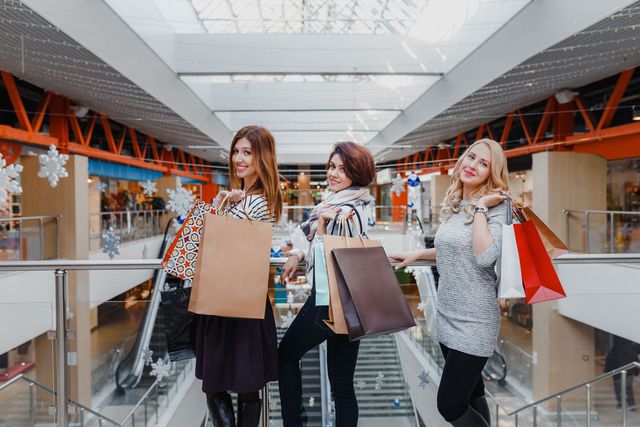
column 538, row 26
column 215, row 54
column 96, row 26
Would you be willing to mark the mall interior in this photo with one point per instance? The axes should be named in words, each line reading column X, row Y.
column 114, row 114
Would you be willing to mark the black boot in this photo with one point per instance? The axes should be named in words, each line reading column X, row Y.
column 221, row 409
column 470, row 418
column 482, row 407
column 249, row 413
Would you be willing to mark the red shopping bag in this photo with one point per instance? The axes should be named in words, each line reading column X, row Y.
column 540, row 280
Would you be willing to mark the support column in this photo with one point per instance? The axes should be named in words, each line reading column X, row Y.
column 563, row 349
column 70, row 199
column 439, row 186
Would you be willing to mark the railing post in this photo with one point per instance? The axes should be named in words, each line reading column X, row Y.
column 623, row 396
column 265, row 405
column 535, row 415
column 157, row 401
column 62, row 393
column 32, row 404
column 41, row 236
column 588, row 231
column 568, row 215
column 146, row 417
column 516, row 420
column 611, row 235
column 81, row 417
column 497, row 414
column 58, row 237
column 559, row 410
column 588, row 386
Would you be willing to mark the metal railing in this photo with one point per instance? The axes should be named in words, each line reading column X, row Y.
column 615, row 228
column 14, row 231
column 325, row 387
column 587, row 385
column 127, row 225
column 385, row 215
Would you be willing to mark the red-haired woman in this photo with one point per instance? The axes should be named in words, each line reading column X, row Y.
column 232, row 354
column 350, row 170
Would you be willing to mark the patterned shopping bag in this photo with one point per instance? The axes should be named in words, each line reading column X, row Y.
column 180, row 258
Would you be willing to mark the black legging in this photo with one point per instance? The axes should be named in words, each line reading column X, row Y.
column 461, row 382
column 306, row 332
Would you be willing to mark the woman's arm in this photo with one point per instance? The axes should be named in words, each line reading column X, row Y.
column 407, row 258
column 487, row 235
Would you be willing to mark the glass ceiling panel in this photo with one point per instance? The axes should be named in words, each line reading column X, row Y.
column 308, row 16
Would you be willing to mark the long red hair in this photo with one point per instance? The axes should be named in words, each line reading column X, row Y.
column 263, row 151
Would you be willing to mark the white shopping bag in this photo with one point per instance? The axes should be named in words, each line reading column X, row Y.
column 508, row 268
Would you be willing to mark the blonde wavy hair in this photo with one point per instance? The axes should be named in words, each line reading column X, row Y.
column 498, row 180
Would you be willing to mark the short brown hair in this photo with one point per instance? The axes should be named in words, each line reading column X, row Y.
column 359, row 165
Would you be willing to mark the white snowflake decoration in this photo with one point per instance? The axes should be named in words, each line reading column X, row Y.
column 290, row 298
column 286, row 320
column 148, row 356
column 361, row 384
column 149, row 188
column 301, row 294
column 160, row 369
column 9, row 180
column 398, row 185
column 111, row 243
column 145, row 252
column 52, row 166
column 312, row 401
column 102, row 187
column 180, row 200
column 423, row 379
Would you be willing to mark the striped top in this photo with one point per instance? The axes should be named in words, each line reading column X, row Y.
column 253, row 207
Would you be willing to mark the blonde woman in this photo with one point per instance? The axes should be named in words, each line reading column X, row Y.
column 467, row 245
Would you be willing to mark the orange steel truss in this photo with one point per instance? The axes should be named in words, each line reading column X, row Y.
column 615, row 142
column 66, row 134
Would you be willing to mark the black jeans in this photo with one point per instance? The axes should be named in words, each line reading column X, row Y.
column 460, row 383
column 306, row 332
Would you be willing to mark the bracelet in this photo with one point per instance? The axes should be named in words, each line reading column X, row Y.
column 482, row 210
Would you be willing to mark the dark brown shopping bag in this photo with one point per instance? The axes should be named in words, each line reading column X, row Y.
column 232, row 268
column 336, row 320
column 372, row 301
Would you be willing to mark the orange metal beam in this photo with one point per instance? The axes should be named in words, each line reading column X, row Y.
column 616, row 96
column 121, row 140
column 544, row 121
column 183, row 160
column 136, row 147
column 585, row 114
column 36, row 123
column 16, row 101
column 106, row 126
column 507, row 129
column 456, row 148
column 154, row 149
column 525, row 129
column 75, row 126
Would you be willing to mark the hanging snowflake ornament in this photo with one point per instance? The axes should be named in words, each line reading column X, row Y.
column 286, row 320
column 148, row 356
column 149, row 188
column 423, row 379
column 361, row 384
column 180, row 200
column 290, row 298
column 102, row 187
column 9, row 181
column 398, row 185
column 301, row 294
column 160, row 369
column 111, row 243
column 52, row 166
column 413, row 196
column 312, row 401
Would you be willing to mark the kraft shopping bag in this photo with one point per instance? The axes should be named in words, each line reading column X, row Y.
column 232, row 268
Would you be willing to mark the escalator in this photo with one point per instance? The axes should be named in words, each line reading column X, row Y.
column 150, row 341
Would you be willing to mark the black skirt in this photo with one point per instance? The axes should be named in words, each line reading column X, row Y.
column 232, row 354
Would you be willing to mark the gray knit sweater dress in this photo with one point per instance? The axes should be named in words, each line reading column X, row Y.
column 468, row 317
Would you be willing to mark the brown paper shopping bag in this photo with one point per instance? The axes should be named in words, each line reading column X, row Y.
column 336, row 321
column 552, row 243
column 232, row 268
